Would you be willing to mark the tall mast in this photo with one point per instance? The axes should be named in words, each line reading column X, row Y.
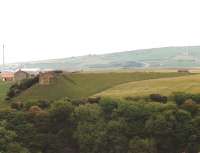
column 3, row 55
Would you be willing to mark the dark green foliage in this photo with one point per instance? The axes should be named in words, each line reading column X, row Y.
column 94, row 99
column 138, row 145
column 18, row 87
column 43, row 104
column 8, row 141
column 17, row 105
column 174, row 127
column 181, row 97
column 158, row 98
column 29, row 104
column 11, row 93
column 191, row 106
column 108, row 126
column 108, row 105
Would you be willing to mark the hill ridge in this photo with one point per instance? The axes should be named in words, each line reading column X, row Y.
column 164, row 57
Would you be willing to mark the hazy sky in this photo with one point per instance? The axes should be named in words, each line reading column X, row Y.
column 43, row 29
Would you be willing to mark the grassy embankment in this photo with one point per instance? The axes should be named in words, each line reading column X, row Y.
column 4, row 87
column 82, row 85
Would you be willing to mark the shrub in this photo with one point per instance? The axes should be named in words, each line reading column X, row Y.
column 17, row 88
column 10, row 94
column 158, row 98
column 43, row 104
column 30, row 103
column 17, row 105
column 108, row 105
column 196, row 98
column 138, row 145
column 181, row 97
column 136, row 98
column 78, row 102
column 94, row 99
column 27, row 83
column 190, row 106
column 35, row 110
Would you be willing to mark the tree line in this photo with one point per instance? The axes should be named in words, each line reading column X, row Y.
column 103, row 125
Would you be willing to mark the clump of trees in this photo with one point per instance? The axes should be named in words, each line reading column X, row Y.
column 181, row 97
column 102, row 126
column 8, row 140
column 19, row 87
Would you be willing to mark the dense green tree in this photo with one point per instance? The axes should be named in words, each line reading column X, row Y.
column 61, row 127
column 89, row 122
column 114, row 139
column 138, row 145
column 109, row 126
column 8, row 142
column 191, row 106
column 108, row 106
column 171, row 130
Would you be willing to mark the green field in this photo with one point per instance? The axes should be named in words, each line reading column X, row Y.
column 80, row 85
column 164, row 86
column 4, row 86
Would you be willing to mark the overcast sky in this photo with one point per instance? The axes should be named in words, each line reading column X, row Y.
column 43, row 29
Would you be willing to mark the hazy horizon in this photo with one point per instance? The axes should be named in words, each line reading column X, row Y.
column 51, row 29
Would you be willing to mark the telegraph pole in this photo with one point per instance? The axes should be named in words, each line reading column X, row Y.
column 3, row 55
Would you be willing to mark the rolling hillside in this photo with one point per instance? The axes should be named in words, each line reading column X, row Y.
column 167, row 57
column 80, row 85
column 164, row 86
column 4, row 87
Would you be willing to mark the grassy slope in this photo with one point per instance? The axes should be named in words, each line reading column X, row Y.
column 164, row 86
column 85, row 84
column 4, row 86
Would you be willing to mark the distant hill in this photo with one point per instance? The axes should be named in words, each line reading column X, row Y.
column 167, row 57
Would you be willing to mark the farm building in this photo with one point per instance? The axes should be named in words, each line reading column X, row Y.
column 46, row 78
column 21, row 75
column 7, row 76
column 32, row 71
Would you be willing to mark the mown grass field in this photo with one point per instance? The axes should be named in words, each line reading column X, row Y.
column 164, row 86
column 80, row 85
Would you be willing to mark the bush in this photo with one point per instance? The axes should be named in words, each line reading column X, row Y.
column 43, row 104
column 190, row 106
column 196, row 98
column 78, row 102
column 158, row 98
column 136, row 98
column 138, row 145
column 17, row 105
column 10, row 94
column 17, row 88
column 27, row 83
column 181, row 97
column 108, row 105
column 35, row 110
column 29, row 104
column 94, row 99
